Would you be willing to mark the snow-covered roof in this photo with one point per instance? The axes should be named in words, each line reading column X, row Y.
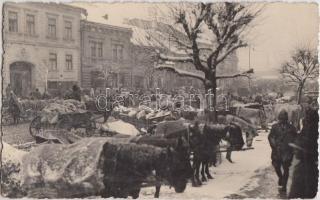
column 143, row 38
column 157, row 34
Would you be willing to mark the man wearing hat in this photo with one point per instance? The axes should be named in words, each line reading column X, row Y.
column 282, row 133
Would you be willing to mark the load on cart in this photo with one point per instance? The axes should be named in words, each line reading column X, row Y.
column 60, row 117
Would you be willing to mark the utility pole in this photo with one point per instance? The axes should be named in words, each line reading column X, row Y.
column 249, row 78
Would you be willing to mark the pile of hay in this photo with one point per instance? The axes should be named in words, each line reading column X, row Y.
column 141, row 113
column 35, row 105
column 51, row 111
column 65, row 106
column 120, row 127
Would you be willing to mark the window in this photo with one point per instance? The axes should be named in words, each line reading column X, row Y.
column 52, row 85
column 93, row 48
column 69, row 62
column 138, row 80
column 68, row 30
column 122, row 79
column 52, row 27
column 99, row 49
column 53, row 61
column 114, row 53
column 96, row 49
column 13, row 21
column 159, row 82
column 30, row 24
column 120, row 52
column 117, row 52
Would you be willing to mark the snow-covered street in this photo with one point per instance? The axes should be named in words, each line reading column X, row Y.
column 251, row 174
column 231, row 178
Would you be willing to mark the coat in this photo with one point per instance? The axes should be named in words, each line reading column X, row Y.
column 15, row 107
column 279, row 138
column 305, row 172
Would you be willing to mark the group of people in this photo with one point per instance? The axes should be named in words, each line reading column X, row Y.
column 34, row 95
column 287, row 144
column 15, row 109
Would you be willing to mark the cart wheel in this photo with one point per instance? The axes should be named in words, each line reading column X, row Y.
column 35, row 126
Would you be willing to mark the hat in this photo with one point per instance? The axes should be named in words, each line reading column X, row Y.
column 283, row 115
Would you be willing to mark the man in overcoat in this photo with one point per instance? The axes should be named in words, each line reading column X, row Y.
column 305, row 172
column 282, row 133
column 15, row 108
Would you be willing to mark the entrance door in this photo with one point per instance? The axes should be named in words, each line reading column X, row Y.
column 17, row 83
column 20, row 78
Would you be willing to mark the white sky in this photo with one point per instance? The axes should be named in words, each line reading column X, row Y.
column 280, row 28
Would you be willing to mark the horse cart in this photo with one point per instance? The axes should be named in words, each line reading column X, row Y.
column 141, row 123
column 58, row 121
column 43, row 129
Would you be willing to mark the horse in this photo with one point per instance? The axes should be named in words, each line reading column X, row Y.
column 253, row 114
column 204, row 141
column 177, row 167
column 249, row 129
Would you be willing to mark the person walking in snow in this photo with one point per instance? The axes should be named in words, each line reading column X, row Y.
column 281, row 134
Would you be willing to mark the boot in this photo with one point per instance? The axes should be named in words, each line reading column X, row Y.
column 280, row 181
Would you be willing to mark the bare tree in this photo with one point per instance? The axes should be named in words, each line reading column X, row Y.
column 303, row 65
column 213, row 31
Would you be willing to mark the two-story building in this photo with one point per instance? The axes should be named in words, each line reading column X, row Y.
column 106, row 56
column 41, row 46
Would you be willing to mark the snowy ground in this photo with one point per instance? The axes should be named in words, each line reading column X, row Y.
column 229, row 178
column 251, row 176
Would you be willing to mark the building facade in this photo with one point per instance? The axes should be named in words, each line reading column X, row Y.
column 108, row 57
column 163, row 37
column 41, row 46
column 150, row 37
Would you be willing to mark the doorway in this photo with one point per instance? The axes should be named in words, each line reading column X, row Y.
column 20, row 78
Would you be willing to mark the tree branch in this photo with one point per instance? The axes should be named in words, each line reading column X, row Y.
column 184, row 73
column 245, row 74
column 302, row 66
column 178, row 58
column 192, row 33
column 222, row 58
column 180, row 72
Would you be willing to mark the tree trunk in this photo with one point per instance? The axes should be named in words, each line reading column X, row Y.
column 299, row 93
column 211, row 85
